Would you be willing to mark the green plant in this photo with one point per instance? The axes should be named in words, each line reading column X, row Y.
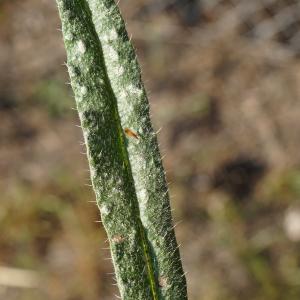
column 125, row 164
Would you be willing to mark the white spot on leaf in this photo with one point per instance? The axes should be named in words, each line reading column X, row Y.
column 112, row 53
column 69, row 36
column 120, row 71
column 93, row 172
column 83, row 90
column 134, row 90
column 113, row 34
column 104, row 209
column 71, row 71
column 142, row 195
column 81, row 46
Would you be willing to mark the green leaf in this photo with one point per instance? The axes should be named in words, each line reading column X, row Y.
column 125, row 163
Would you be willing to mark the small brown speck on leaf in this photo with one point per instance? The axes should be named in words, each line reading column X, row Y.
column 118, row 239
column 130, row 133
column 162, row 281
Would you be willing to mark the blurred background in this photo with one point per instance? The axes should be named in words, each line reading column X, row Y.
column 223, row 78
